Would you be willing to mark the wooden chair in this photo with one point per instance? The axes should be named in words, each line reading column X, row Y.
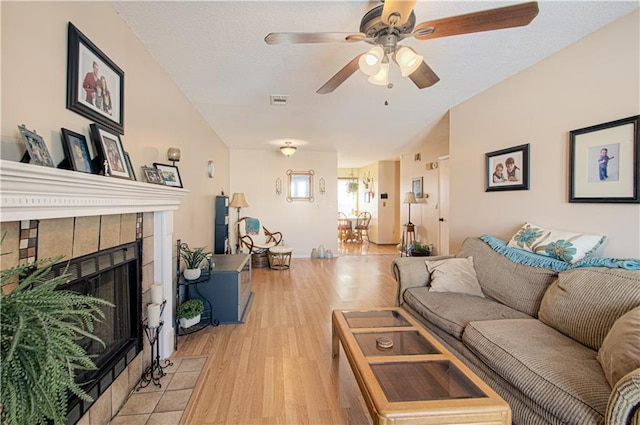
column 362, row 226
column 344, row 227
column 255, row 237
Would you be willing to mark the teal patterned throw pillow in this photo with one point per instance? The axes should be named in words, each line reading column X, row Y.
column 566, row 246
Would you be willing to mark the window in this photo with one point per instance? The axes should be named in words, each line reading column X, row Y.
column 347, row 201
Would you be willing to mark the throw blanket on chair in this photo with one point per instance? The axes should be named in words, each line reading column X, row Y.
column 252, row 226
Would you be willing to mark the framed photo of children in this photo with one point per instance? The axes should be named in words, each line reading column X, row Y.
column 603, row 162
column 507, row 169
column 111, row 158
column 95, row 85
column 76, row 150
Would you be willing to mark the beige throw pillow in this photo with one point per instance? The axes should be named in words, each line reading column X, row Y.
column 620, row 351
column 454, row 275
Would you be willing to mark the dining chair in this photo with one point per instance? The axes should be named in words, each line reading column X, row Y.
column 362, row 226
column 345, row 230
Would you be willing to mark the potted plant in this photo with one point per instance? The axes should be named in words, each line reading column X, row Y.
column 352, row 187
column 192, row 259
column 417, row 249
column 41, row 326
column 189, row 312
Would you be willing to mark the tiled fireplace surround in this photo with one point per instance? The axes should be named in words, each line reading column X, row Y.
column 47, row 212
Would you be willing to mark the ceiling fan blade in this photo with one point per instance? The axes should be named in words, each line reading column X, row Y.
column 340, row 76
column 494, row 19
column 424, row 76
column 401, row 8
column 312, row 37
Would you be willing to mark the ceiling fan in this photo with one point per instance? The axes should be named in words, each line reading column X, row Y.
column 391, row 22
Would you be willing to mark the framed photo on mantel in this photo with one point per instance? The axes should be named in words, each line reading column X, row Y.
column 111, row 157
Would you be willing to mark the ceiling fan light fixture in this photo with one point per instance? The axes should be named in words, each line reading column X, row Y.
column 288, row 150
column 370, row 62
column 408, row 60
column 382, row 77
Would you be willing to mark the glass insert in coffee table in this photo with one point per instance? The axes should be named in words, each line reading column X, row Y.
column 374, row 319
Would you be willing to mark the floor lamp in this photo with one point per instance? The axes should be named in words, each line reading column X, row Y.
column 409, row 232
column 238, row 201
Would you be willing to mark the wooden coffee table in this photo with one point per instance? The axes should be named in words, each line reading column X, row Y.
column 417, row 380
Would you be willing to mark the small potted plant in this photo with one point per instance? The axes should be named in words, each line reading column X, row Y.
column 417, row 249
column 193, row 258
column 189, row 312
column 352, row 187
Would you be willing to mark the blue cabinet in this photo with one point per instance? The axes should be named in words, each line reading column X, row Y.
column 221, row 229
column 228, row 288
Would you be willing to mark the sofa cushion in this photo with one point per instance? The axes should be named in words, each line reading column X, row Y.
column 453, row 275
column 451, row 311
column 566, row 246
column 556, row 372
column 584, row 303
column 620, row 351
column 518, row 286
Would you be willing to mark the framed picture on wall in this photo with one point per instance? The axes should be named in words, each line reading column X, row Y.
column 507, row 169
column 603, row 162
column 95, row 85
column 416, row 187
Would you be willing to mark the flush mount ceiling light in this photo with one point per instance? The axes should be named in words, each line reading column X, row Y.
column 288, row 150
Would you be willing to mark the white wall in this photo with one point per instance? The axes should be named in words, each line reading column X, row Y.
column 157, row 115
column 596, row 80
column 387, row 225
column 304, row 225
column 424, row 215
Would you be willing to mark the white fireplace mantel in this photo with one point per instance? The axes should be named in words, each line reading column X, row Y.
column 33, row 192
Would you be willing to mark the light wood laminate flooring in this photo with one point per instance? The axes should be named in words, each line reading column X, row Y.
column 277, row 367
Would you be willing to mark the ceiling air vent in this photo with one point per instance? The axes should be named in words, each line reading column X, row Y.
column 279, row 99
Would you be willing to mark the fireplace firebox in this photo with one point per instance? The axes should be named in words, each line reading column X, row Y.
column 114, row 275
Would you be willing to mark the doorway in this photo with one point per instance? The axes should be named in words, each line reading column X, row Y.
column 443, row 205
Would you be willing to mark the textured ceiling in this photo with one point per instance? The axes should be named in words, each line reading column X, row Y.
column 216, row 54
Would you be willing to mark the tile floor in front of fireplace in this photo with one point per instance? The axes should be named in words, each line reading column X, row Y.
column 163, row 405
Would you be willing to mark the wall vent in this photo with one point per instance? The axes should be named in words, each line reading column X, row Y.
column 279, row 99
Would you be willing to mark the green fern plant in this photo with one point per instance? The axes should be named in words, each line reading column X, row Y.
column 40, row 326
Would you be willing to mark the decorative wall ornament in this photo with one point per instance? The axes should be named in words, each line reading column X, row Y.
column 321, row 186
column 278, row 186
column 300, row 185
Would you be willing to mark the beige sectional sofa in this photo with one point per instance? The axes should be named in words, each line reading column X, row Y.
column 536, row 334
